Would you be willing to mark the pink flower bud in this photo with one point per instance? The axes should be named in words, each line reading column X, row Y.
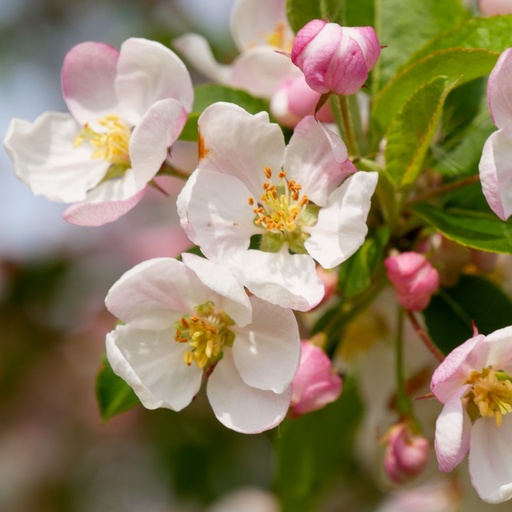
column 414, row 279
column 294, row 99
column 316, row 382
column 493, row 7
column 406, row 453
column 335, row 58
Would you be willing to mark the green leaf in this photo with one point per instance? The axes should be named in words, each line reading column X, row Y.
column 300, row 12
column 393, row 24
column 314, row 449
column 469, row 223
column 455, row 63
column 355, row 274
column 450, row 314
column 207, row 94
column 412, row 130
column 114, row 396
column 492, row 34
column 360, row 13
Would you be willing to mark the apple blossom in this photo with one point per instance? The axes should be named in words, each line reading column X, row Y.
column 495, row 165
column 474, row 383
column 334, row 58
column 185, row 322
column 127, row 107
column 316, row 382
column 414, row 279
column 302, row 202
column 406, row 453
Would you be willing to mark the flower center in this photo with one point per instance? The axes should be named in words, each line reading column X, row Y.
column 111, row 144
column 278, row 37
column 490, row 394
column 283, row 213
column 206, row 333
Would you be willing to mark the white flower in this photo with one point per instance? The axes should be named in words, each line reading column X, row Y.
column 127, row 108
column 189, row 321
column 305, row 201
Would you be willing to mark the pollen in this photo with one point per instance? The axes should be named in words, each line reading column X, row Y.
column 491, row 393
column 111, row 143
column 206, row 333
column 278, row 38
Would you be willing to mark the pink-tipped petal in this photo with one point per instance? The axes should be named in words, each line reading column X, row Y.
column 453, row 432
column 88, row 76
column 499, row 91
column 153, row 136
column 495, row 169
column 241, row 407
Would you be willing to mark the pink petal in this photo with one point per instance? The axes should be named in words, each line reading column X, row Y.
column 152, row 364
column 496, row 172
column 310, row 160
column 341, row 226
column 46, row 161
column 499, row 91
column 88, row 76
column 153, row 136
column 241, row 407
column 147, row 72
column 490, row 459
column 239, row 144
column 267, row 352
column 453, row 432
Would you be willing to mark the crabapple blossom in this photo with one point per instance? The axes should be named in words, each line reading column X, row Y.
column 126, row 107
column 406, row 453
column 267, row 210
column 191, row 320
column 334, row 58
column 495, row 164
column 414, row 279
column 474, row 383
column 316, row 382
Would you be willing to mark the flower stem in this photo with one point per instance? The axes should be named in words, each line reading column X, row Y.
column 169, row 170
column 424, row 337
column 348, row 131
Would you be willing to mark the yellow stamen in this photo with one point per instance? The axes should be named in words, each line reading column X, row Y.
column 110, row 145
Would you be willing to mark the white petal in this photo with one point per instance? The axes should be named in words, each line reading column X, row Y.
column 453, row 431
column 219, row 214
column 152, row 364
column 153, row 136
column 495, row 169
column 311, row 161
column 182, row 206
column 196, row 49
column 252, row 21
column 232, row 296
column 260, row 70
column 156, row 293
column 499, row 349
column 490, row 459
column 341, row 226
column 147, row 71
column 267, row 352
column 88, row 75
column 288, row 280
column 499, row 90
column 241, row 407
column 46, row 161
column 237, row 143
